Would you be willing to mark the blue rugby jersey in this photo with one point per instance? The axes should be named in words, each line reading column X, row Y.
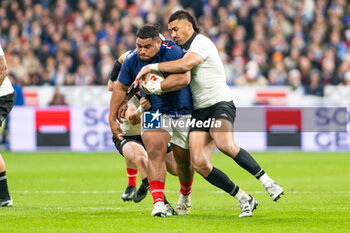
column 174, row 103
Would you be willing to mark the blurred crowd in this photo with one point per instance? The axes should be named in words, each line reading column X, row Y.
column 300, row 43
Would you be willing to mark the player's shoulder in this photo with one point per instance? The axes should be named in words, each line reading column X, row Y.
column 131, row 55
column 201, row 39
column 130, row 58
column 202, row 42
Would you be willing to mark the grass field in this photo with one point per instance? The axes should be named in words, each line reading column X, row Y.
column 75, row 192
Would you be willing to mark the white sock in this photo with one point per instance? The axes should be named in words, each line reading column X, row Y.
column 265, row 179
column 242, row 196
column 159, row 203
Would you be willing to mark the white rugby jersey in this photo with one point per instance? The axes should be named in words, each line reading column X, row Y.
column 208, row 81
column 6, row 86
column 128, row 128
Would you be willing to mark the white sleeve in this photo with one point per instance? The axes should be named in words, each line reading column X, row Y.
column 200, row 46
column 1, row 51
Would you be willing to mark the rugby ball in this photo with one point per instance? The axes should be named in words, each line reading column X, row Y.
column 153, row 78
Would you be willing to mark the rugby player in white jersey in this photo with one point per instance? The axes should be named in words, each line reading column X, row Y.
column 212, row 100
column 7, row 100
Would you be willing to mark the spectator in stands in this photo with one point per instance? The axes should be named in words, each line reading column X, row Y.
column 315, row 86
column 57, row 99
column 304, row 68
column 277, row 70
column 19, row 96
column 273, row 78
column 71, row 42
column 328, row 67
column 294, row 80
column 251, row 76
column 291, row 61
column 347, row 78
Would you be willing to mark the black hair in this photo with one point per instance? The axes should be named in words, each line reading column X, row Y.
column 183, row 14
column 148, row 31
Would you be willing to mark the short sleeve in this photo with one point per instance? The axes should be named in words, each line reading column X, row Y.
column 126, row 76
column 200, row 46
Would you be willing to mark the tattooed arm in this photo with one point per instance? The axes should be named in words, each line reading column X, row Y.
column 3, row 69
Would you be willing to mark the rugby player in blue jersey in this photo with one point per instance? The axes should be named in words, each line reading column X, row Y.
column 132, row 147
column 175, row 104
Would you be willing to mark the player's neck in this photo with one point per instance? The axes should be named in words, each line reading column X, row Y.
column 188, row 42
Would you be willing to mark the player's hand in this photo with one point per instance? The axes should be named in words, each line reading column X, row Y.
column 110, row 85
column 145, row 103
column 121, row 111
column 142, row 75
column 116, row 130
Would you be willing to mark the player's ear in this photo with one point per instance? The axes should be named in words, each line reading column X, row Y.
column 189, row 25
column 159, row 42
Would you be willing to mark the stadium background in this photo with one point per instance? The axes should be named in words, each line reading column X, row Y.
column 290, row 53
column 285, row 53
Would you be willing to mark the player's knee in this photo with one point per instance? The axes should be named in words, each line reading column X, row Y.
column 228, row 148
column 183, row 160
column 142, row 159
column 184, row 165
column 153, row 148
column 200, row 164
column 203, row 169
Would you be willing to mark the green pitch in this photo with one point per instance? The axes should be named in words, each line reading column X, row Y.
column 75, row 192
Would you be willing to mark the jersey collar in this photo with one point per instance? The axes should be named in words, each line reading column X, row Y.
column 188, row 43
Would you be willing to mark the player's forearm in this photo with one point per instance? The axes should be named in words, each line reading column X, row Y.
column 190, row 60
column 117, row 98
column 176, row 66
column 175, row 82
column 3, row 69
